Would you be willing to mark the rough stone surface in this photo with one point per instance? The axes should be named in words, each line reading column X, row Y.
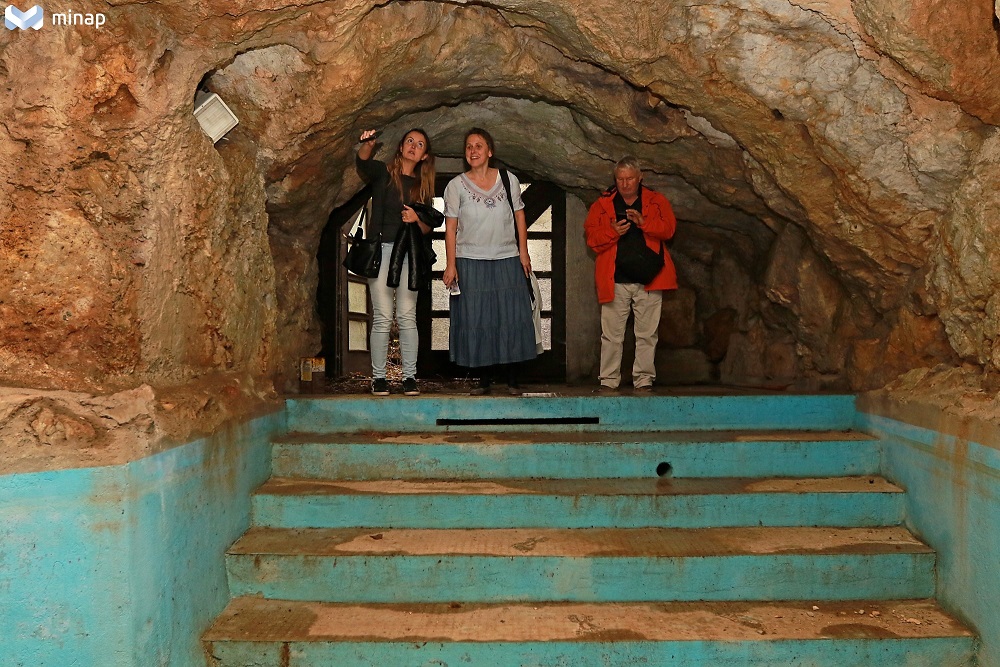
column 719, row 328
column 678, row 324
column 683, row 367
column 41, row 430
column 960, row 400
column 761, row 358
column 950, row 48
column 965, row 278
column 833, row 164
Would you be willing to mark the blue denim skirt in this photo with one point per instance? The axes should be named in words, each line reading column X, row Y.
column 491, row 318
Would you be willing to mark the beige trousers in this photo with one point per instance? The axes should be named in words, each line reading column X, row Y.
column 614, row 315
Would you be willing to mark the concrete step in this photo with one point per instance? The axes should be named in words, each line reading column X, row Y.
column 570, row 503
column 539, row 564
column 273, row 633
column 514, row 455
column 564, row 413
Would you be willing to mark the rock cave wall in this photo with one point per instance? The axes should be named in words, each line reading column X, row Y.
column 834, row 166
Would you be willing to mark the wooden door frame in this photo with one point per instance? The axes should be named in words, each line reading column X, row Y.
column 332, row 292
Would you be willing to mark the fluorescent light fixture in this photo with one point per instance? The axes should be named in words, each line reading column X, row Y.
column 214, row 116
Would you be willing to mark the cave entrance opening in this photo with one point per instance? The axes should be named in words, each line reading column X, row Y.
column 344, row 303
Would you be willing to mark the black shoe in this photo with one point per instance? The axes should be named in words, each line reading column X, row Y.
column 410, row 387
column 482, row 387
column 380, row 387
column 514, row 389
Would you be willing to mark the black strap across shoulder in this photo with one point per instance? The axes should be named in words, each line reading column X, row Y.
column 505, row 178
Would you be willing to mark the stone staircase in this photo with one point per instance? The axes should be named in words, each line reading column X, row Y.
column 695, row 531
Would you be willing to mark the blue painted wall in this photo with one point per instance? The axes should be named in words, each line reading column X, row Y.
column 952, row 477
column 124, row 565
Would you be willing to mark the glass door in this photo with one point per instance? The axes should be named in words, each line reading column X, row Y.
column 355, row 313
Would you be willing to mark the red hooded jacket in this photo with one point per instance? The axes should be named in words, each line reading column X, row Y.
column 603, row 239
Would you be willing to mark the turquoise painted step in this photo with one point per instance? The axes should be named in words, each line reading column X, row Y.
column 396, row 565
column 607, row 503
column 266, row 633
column 622, row 413
column 821, row 652
column 574, row 455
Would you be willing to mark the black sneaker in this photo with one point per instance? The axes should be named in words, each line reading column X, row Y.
column 482, row 387
column 380, row 387
column 410, row 387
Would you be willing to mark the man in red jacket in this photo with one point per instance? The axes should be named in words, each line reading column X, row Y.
column 629, row 213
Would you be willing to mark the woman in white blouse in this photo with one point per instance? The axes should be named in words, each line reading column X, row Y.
column 486, row 241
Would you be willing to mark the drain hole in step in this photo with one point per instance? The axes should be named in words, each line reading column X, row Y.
column 664, row 469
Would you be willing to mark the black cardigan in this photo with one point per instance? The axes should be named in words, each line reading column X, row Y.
column 409, row 241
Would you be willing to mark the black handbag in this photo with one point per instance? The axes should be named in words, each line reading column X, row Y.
column 365, row 256
column 637, row 260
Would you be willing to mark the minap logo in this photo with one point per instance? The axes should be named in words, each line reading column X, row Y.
column 14, row 18
column 73, row 18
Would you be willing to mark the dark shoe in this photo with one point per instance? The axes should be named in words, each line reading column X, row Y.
column 644, row 389
column 410, row 387
column 606, row 390
column 380, row 387
column 482, row 387
column 514, row 389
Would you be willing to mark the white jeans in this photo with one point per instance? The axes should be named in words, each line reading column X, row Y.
column 646, row 307
column 384, row 300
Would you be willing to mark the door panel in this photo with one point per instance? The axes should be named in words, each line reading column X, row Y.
column 355, row 307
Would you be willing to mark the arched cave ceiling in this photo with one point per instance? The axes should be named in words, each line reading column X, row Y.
column 846, row 151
